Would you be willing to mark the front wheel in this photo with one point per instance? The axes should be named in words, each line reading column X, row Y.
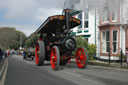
column 82, row 58
column 39, row 53
column 55, row 58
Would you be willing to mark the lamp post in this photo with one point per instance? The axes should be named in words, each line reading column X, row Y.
column 21, row 42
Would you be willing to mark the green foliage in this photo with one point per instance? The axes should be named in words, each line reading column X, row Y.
column 91, row 51
column 31, row 40
column 10, row 38
column 82, row 42
column 15, row 45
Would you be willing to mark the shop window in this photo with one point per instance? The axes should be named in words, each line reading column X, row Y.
column 115, row 41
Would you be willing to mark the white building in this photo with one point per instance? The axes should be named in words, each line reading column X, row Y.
column 88, row 27
column 108, row 30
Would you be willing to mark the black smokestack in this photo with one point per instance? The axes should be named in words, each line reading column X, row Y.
column 67, row 19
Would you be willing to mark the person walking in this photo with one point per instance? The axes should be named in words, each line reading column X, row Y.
column 6, row 55
column 24, row 54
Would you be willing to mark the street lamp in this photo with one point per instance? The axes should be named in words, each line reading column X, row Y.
column 21, row 42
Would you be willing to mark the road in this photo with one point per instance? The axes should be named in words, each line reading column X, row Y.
column 22, row 72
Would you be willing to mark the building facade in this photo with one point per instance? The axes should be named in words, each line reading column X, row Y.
column 107, row 28
column 113, row 32
column 88, row 26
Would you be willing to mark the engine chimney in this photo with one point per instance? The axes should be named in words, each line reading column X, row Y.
column 67, row 19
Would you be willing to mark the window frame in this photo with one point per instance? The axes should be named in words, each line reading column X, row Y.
column 105, row 15
column 115, row 41
column 80, row 26
column 115, row 16
column 86, row 19
column 104, row 41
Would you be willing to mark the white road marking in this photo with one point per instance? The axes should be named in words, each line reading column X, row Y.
column 5, row 72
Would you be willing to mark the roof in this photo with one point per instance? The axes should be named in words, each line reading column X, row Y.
column 56, row 23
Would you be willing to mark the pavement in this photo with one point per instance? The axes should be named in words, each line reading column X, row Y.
column 1, row 64
column 107, row 64
column 22, row 72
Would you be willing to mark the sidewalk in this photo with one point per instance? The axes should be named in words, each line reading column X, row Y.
column 105, row 64
column 1, row 64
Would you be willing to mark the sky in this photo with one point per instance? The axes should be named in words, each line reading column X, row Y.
column 28, row 15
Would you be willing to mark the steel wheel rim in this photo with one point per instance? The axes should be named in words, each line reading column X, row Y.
column 53, row 58
column 80, row 58
column 37, row 50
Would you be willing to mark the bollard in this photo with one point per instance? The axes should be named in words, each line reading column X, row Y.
column 121, row 62
column 127, row 55
column 109, row 55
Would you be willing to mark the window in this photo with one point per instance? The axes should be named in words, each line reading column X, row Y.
column 115, row 41
column 105, row 15
column 80, row 17
column 86, row 16
column 114, row 15
column 105, row 41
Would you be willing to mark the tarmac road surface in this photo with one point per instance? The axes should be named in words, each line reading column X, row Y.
column 22, row 72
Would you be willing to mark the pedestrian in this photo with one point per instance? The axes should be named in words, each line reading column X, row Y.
column 24, row 54
column 1, row 54
column 5, row 53
column 8, row 53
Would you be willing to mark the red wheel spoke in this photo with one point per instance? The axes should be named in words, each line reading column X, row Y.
column 37, row 50
column 81, row 58
column 53, row 58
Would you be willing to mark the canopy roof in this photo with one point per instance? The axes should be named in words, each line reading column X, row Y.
column 56, row 24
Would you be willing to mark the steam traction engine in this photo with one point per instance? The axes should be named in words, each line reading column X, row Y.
column 56, row 43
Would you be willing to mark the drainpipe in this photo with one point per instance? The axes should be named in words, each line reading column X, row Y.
column 95, row 26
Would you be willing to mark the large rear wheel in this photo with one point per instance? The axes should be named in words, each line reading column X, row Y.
column 55, row 58
column 82, row 58
column 39, row 53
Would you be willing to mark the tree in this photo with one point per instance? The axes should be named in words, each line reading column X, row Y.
column 10, row 37
column 82, row 42
column 91, row 51
column 31, row 40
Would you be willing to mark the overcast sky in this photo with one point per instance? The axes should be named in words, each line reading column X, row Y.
column 27, row 15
